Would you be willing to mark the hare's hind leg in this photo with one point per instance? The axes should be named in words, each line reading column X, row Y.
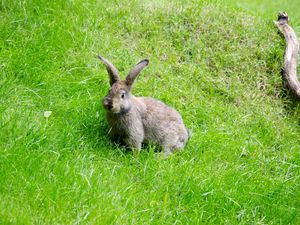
column 179, row 144
column 170, row 144
column 173, row 143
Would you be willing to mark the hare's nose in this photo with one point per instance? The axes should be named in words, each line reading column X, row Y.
column 107, row 104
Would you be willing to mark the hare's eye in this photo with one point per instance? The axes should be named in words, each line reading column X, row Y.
column 122, row 95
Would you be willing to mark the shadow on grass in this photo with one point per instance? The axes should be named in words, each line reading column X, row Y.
column 291, row 103
column 95, row 132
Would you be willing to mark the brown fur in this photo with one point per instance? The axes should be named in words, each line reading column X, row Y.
column 140, row 119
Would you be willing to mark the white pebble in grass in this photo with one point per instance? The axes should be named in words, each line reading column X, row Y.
column 47, row 114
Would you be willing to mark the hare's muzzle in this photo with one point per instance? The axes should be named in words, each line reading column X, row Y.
column 107, row 103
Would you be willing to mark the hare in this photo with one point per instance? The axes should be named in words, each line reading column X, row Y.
column 141, row 119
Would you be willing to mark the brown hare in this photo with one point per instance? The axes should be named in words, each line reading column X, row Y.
column 141, row 119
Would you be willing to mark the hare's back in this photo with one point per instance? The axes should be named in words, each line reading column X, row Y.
column 159, row 111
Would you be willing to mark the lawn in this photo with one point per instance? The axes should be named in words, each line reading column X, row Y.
column 217, row 62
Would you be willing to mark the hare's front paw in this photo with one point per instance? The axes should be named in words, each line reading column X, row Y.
column 135, row 145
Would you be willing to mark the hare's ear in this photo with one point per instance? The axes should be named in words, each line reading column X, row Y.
column 111, row 69
column 135, row 71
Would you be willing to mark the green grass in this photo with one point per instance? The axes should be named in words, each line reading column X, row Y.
column 217, row 62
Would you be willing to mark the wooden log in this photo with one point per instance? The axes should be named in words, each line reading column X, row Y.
column 291, row 54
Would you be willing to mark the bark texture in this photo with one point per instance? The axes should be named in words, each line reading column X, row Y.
column 291, row 54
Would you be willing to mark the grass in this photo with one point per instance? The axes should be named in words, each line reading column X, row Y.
column 217, row 62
